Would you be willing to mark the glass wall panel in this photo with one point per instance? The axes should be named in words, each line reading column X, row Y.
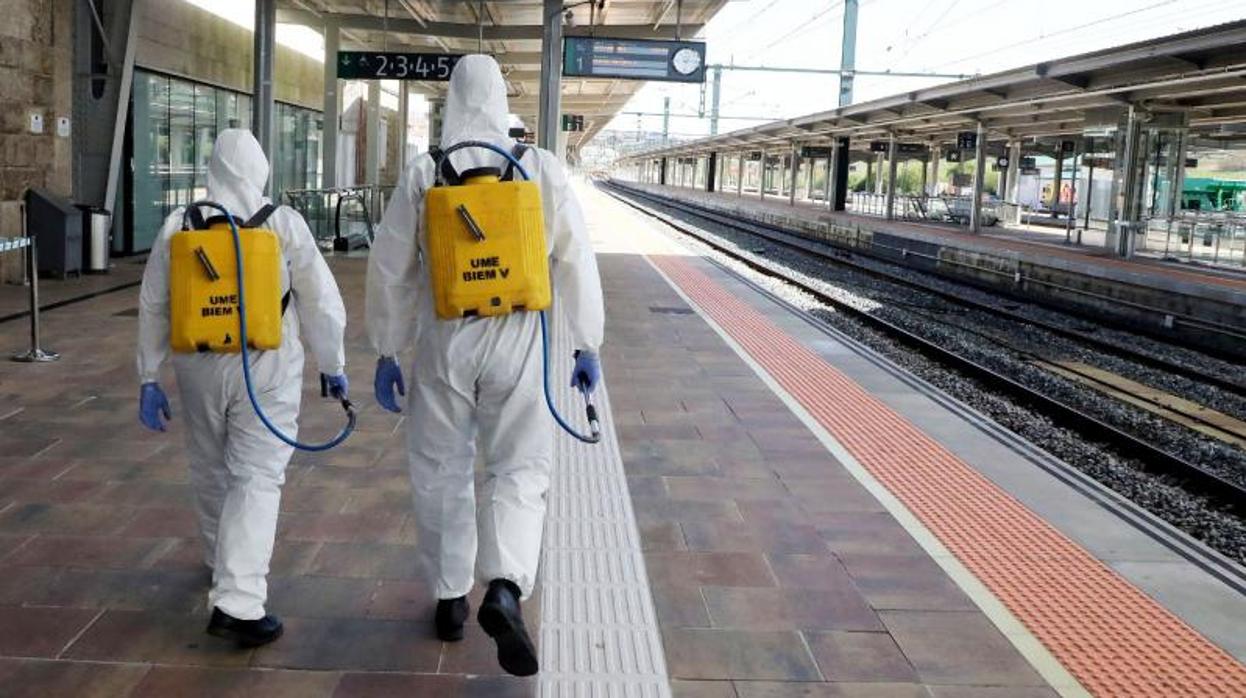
column 226, row 110
column 314, row 131
column 205, row 136
column 244, row 111
column 175, row 125
column 179, row 187
column 151, row 146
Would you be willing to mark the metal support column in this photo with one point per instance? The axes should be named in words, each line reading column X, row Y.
column 1057, row 181
column 121, row 115
column 979, row 179
column 1088, row 148
column 794, row 161
column 436, row 111
column 1014, row 182
column 1178, row 180
column 739, row 180
column 878, row 175
column 848, row 53
column 761, row 176
column 936, row 156
column 892, row 161
column 662, row 171
column 925, row 171
column 809, row 180
column 1129, row 172
column 328, row 140
column 830, row 176
column 666, row 120
column 262, row 79
column 1005, row 173
column 1072, row 212
column 551, row 75
column 716, row 99
column 404, row 122
column 839, row 194
column 372, row 158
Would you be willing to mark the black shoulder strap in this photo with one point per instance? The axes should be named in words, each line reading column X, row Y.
column 517, row 152
column 446, row 174
column 196, row 219
column 260, row 216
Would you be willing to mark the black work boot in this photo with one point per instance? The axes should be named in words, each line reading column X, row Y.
column 451, row 614
column 503, row 621
column 248, row 633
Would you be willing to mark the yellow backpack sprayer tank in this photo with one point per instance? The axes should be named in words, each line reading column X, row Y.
column 486, row 243
column 486, row 250
column 203, row 285
column 225, row 296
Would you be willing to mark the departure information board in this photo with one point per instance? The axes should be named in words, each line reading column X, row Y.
column 633, row 59
column 380, row 65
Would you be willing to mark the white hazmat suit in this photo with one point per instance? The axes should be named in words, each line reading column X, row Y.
column 237, row 466
column 478, row 377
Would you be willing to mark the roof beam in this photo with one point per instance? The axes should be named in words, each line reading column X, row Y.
column 1081, row 82
column 453, row 30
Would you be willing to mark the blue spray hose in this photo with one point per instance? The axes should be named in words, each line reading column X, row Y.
column 589, row 410
column 246, row 364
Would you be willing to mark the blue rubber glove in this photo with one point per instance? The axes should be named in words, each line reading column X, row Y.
column 388, row 377
column 152, row 403
column 587, row 372
column 339, row 387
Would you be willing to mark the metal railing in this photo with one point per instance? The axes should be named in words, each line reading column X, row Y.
column 930, row 209
column 343, row 218
column 1215, row 237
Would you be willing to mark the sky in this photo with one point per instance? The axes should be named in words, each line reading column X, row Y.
column 944, row 36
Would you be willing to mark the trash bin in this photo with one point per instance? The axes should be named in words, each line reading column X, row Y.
column 52, row 220
column 96, row 238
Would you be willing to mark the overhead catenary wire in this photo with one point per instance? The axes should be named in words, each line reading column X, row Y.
column 912, row 43
column 1069, row 29
column 1140, row 27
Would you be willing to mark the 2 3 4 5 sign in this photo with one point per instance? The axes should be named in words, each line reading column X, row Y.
column 379, row 65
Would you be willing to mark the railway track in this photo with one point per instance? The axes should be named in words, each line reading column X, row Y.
column 846, row 259
column 1193, row 477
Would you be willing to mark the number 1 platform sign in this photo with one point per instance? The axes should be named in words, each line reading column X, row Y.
column 378, row 65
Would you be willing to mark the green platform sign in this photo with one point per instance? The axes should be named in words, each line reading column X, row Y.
column 633, row 59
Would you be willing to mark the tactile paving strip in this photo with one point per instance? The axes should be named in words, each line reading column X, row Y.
column 599, row 631
column 1113, row 638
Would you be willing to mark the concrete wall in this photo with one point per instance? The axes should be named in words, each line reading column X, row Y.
column 36, row 47
column 181, row 39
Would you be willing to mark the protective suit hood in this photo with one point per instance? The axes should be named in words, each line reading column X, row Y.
column 237, row 172
column 476, row 106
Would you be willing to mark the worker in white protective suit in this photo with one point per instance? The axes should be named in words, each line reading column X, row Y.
column 237, row 466
column 479, row 379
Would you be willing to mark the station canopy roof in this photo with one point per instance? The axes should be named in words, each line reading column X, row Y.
column 1201, row 73
column 512, row 34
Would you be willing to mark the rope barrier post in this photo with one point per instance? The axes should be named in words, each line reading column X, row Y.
column 36, row 354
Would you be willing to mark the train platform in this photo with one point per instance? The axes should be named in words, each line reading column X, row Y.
column 1204, row 303
column 775, row 511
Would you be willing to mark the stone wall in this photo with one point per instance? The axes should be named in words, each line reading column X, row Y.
column 36, row 48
